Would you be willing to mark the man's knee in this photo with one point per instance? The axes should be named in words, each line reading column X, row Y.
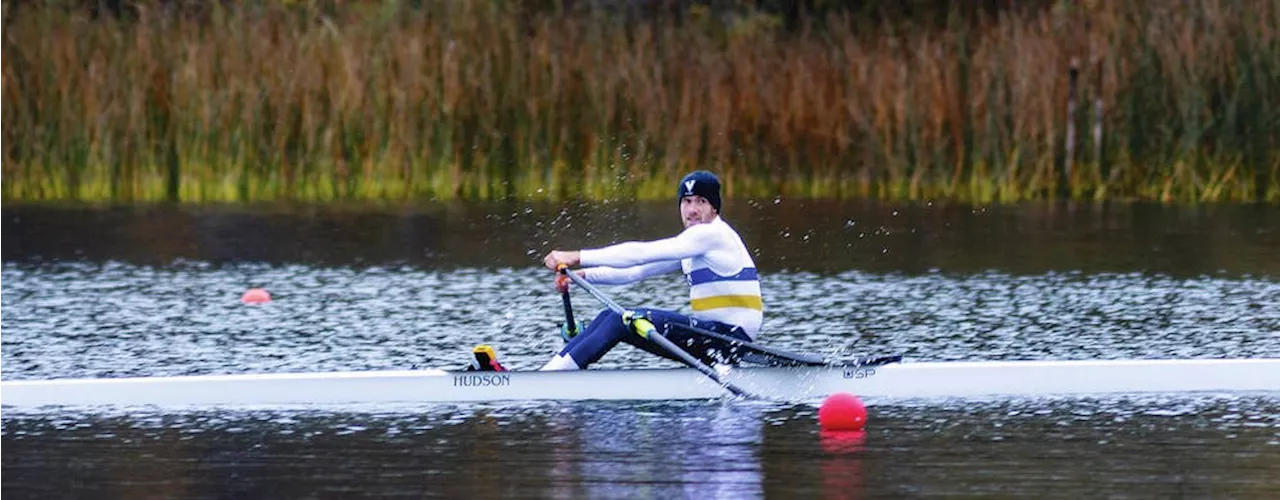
column 605, row 316
column 609, row 323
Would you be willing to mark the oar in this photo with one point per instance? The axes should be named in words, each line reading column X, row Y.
column 645, row 329
column 782, row 357
column 571, row 327
column 779, row 357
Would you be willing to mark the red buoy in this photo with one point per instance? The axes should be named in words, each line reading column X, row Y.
column 842, row 412
column 255, row 296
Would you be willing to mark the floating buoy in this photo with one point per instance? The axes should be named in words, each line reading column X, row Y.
column 255, row 296
column 842, row 412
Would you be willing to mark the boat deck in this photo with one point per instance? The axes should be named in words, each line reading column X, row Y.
column 899, row 380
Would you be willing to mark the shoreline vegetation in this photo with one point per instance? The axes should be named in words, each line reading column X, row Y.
column 991, row 101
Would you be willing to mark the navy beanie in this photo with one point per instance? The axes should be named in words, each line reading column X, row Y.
column 701, row 183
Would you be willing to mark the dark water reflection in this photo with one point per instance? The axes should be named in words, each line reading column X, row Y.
column 791, row 234
column 1167, row 448
column 153, row 290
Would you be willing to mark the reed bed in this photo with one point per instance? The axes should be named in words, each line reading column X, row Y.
column 1171, row 101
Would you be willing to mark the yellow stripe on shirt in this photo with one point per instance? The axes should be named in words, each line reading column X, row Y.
column 718, row 301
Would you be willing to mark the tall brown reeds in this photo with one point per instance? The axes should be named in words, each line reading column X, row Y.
column 493, row 99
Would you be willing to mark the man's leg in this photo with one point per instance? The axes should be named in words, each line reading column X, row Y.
column 607, row 329
column 589, row 346
column 707, row 350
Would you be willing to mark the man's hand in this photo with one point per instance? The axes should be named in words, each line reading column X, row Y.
column 558, row 258
column 563, row 281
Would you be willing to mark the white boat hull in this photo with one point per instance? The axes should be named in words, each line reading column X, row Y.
column 894, row 381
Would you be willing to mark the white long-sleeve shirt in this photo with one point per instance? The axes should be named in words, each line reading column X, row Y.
column 723, row 285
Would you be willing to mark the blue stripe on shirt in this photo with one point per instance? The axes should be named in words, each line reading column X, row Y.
column 704, row 275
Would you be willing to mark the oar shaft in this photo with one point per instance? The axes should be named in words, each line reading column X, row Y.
column 647, row 330
column 688, row 359
column 595, row 292
column 790, row 357
column 570, row 326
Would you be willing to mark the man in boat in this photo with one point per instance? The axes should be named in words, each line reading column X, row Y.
column 723, row 286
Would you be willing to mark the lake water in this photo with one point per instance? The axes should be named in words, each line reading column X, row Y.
column 153, row 290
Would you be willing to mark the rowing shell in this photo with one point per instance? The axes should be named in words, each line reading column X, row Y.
column 904, row 380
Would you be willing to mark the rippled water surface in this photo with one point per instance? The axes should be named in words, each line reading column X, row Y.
column 115, row 319
column 153, row 290
column 1208, row 446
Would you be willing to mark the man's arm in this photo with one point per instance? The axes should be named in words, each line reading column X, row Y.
column 615, row 276
column 694, row 241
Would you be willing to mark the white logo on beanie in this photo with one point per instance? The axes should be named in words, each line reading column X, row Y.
column 688, row 186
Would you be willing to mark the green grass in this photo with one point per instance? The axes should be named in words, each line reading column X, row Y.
column 486, row 100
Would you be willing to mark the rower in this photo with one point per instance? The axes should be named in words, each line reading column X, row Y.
column 723, row 286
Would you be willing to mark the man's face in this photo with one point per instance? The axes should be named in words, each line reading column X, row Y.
column 696, row 210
